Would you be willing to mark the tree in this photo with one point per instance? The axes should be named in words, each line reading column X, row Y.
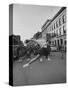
column 37, row 35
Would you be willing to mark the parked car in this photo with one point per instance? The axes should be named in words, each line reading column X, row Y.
column 53, row 48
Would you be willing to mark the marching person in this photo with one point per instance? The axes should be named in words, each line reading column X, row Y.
column 44, row 51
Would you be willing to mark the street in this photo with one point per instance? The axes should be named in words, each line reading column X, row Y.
column 46, row 72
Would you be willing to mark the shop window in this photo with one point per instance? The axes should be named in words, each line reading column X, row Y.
column 61, row 41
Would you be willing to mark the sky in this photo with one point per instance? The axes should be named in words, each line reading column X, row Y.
column 28, row 19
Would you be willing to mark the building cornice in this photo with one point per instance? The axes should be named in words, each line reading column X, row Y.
column 57, row 14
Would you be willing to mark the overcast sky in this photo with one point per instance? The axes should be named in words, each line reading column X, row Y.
column 28, row 19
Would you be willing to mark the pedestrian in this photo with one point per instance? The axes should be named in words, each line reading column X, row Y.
column 45, row 51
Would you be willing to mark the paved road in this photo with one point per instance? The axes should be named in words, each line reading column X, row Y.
column 53, row 71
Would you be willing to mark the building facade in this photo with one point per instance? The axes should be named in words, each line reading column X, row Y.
column 44, row 31
column 56, row 29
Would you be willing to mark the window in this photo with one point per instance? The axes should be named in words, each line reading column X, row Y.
column 52, row 42
column 60, row 31
column 55, row 42
column 58, row 42
column 59, row 21
column 56, row 32
column 56, row 24
column 61, row 41
column 65, row 42
column 52, row 34
column 52, row 27
column 63, row 19
column 64, row 30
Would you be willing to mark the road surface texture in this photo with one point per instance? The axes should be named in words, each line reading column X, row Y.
column 46, row 72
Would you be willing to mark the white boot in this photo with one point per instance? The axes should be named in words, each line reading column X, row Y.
column 49, row 59
column 41, row 60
